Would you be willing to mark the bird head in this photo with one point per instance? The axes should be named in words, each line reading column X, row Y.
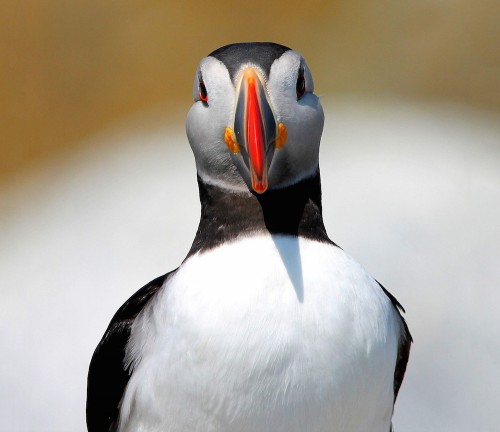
column 256, row 123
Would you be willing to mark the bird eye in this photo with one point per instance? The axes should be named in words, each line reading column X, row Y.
column 301, row 83
column 203, row 91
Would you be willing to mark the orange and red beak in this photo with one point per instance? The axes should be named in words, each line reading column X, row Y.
column 255, row 128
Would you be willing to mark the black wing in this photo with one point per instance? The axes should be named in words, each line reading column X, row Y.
column 405, row 341
column 108, row 377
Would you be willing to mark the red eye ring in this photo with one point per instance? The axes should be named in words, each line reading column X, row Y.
column 203, row 92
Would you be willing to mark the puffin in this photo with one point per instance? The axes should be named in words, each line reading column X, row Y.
column 267, row 325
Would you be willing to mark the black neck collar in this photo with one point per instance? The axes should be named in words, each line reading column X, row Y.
column 226, row 216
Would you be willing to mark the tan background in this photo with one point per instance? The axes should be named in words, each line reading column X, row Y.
column 70, row 68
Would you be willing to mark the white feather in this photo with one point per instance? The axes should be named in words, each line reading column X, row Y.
column 264, row 334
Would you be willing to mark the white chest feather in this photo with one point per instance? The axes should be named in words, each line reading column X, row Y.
column 264, row 334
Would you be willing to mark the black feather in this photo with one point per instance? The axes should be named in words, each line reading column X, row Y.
column 108, row 376
column 262, row 54
column 404, row 345
column 225, row 216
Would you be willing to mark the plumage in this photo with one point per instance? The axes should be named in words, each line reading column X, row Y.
column 263, row 54
column 108, row 374
column 267, row 325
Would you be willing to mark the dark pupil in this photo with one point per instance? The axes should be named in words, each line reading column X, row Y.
column 301, row 86
column 203, row 90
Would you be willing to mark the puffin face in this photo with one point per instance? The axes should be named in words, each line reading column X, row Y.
column 255, row 123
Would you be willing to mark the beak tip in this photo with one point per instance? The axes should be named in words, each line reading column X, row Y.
column 259, row 187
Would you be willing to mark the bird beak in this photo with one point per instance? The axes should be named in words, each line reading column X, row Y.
column 255, row 127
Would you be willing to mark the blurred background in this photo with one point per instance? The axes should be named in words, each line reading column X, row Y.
column 98, row 192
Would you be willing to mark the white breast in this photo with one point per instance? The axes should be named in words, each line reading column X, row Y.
column 264, row 334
